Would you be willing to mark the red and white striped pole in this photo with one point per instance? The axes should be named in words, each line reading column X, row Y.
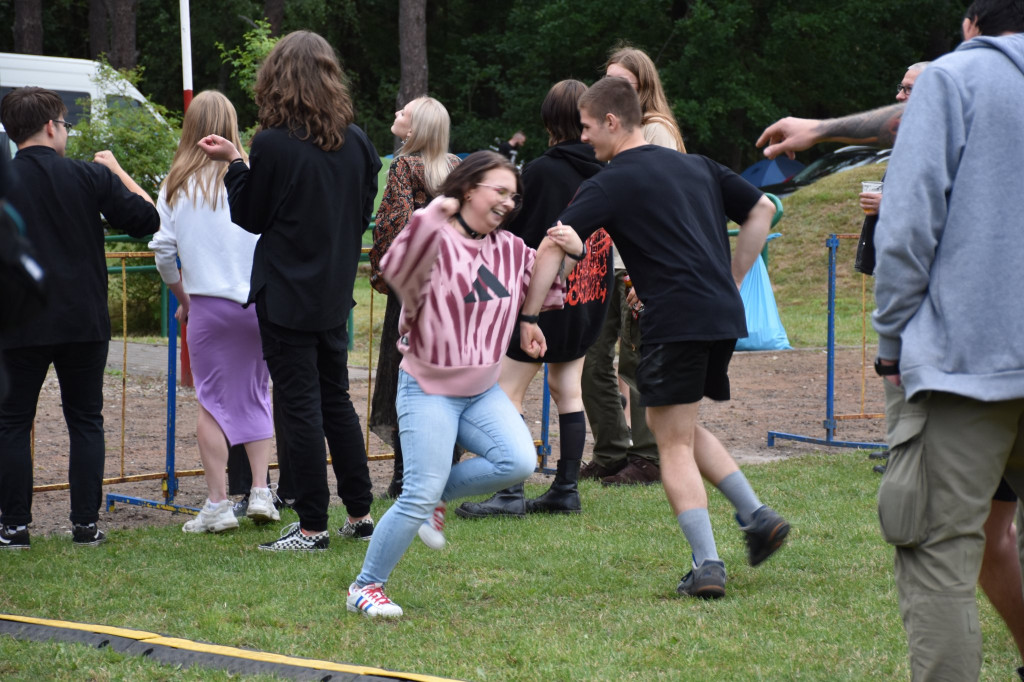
column 186, row 84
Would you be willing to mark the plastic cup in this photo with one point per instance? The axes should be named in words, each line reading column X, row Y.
column 871, row 187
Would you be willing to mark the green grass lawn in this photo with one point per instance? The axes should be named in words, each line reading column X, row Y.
column 798, row 264
column 590, row 597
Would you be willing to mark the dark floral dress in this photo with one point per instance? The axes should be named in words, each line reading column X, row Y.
column 406, row 192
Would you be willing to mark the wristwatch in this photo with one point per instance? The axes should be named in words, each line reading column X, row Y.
column 886, row 370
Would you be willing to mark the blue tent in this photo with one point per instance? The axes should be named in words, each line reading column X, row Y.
column 771, row 171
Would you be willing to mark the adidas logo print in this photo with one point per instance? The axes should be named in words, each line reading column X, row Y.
column 485, row 279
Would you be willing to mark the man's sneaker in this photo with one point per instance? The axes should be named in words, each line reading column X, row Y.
column 87, row 535
column 432, row 530
column 212, row 518
column 360, row 530
column 638, row 471
column 14, row 537
column 241, row 507
column 372, row 601
column 596, row 472
column 292, row 539
column 706, row 581
column 261, row 507
column 766, row 533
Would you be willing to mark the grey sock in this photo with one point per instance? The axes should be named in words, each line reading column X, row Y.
column 737, row 490
column 696, row 525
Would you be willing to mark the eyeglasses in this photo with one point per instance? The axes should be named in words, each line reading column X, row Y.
column 504, row 193
column 67, row 126
column 901, row 88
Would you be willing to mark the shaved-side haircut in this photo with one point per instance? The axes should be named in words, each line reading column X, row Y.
column 616, row 96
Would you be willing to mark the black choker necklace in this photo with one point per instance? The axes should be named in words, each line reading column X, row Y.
column 473, row 234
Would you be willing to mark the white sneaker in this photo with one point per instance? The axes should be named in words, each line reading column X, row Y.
column 261, row 506
column 372, row 601
column 212, row 518
column 432, row 530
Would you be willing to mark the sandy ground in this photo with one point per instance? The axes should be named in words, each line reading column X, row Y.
column 772, row 390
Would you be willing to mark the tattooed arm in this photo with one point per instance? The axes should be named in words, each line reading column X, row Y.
column 789, row 135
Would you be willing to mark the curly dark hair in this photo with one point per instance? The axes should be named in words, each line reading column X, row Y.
column 301, row 87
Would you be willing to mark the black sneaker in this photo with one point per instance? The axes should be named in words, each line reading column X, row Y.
column 360, row 530
column 706, row 581
column 766, row 533
column 292, row 539
column 87, row 535
column 241, row 507
column 13, row 537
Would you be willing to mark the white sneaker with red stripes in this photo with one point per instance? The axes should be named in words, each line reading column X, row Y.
column 432, row 530
column 371, row 601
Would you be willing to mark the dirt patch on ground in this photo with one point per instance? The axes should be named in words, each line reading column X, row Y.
column 778, row 391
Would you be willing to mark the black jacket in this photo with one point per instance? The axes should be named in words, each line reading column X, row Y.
column 310, row 208
column 61, row 201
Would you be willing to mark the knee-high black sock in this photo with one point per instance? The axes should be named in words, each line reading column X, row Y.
column 572, row 428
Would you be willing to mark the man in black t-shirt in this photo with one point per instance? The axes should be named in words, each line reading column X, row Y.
column 667, row 214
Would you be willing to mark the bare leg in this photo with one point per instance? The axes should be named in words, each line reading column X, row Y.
column 258, row 452
column 564, row 381
column 1000, row 575
column 213, row 450
column 713, row 460
column 674, row 429
column 515, row 379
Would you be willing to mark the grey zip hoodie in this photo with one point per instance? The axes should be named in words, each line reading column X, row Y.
column 949, row 283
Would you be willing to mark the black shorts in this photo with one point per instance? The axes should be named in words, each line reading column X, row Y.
column 683, row 372
column 1004, row 493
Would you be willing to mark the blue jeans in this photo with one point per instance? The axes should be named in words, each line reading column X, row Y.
column 429, row 425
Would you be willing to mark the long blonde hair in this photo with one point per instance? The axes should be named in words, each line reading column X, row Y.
column 300, row 86
column 653, row 102
column 209, row 112
column 429, row 131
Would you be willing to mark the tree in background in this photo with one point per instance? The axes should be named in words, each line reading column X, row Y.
column 28, row 26
column 730, row 67
column 144, row 144
column 412, row 49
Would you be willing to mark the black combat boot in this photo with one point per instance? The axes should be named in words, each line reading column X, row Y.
column 507, row 502
column 562, row 497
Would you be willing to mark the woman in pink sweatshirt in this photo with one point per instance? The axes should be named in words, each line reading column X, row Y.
column 462, row 281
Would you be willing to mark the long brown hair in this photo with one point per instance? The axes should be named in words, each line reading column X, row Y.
column 653, row 102
column 210, row 112
column 300, row 87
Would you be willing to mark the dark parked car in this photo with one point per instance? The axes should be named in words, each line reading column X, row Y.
column 840, row 160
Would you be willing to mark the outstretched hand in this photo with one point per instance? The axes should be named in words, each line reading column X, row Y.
column 788, row 136
column 218, row 148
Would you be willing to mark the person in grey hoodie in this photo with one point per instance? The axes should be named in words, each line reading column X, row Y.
column 950, row 243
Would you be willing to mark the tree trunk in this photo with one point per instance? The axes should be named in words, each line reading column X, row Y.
column 99, row 33
column 28, row 26
column 122, row 23
column 273, row 10
column 412, row 50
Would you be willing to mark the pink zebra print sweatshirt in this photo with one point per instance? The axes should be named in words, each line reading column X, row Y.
column 460, row 298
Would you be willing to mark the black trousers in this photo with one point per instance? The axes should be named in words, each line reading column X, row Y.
column 309, row 370
column 79, row 368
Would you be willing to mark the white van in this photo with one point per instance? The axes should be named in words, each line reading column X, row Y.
column 72, row 79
